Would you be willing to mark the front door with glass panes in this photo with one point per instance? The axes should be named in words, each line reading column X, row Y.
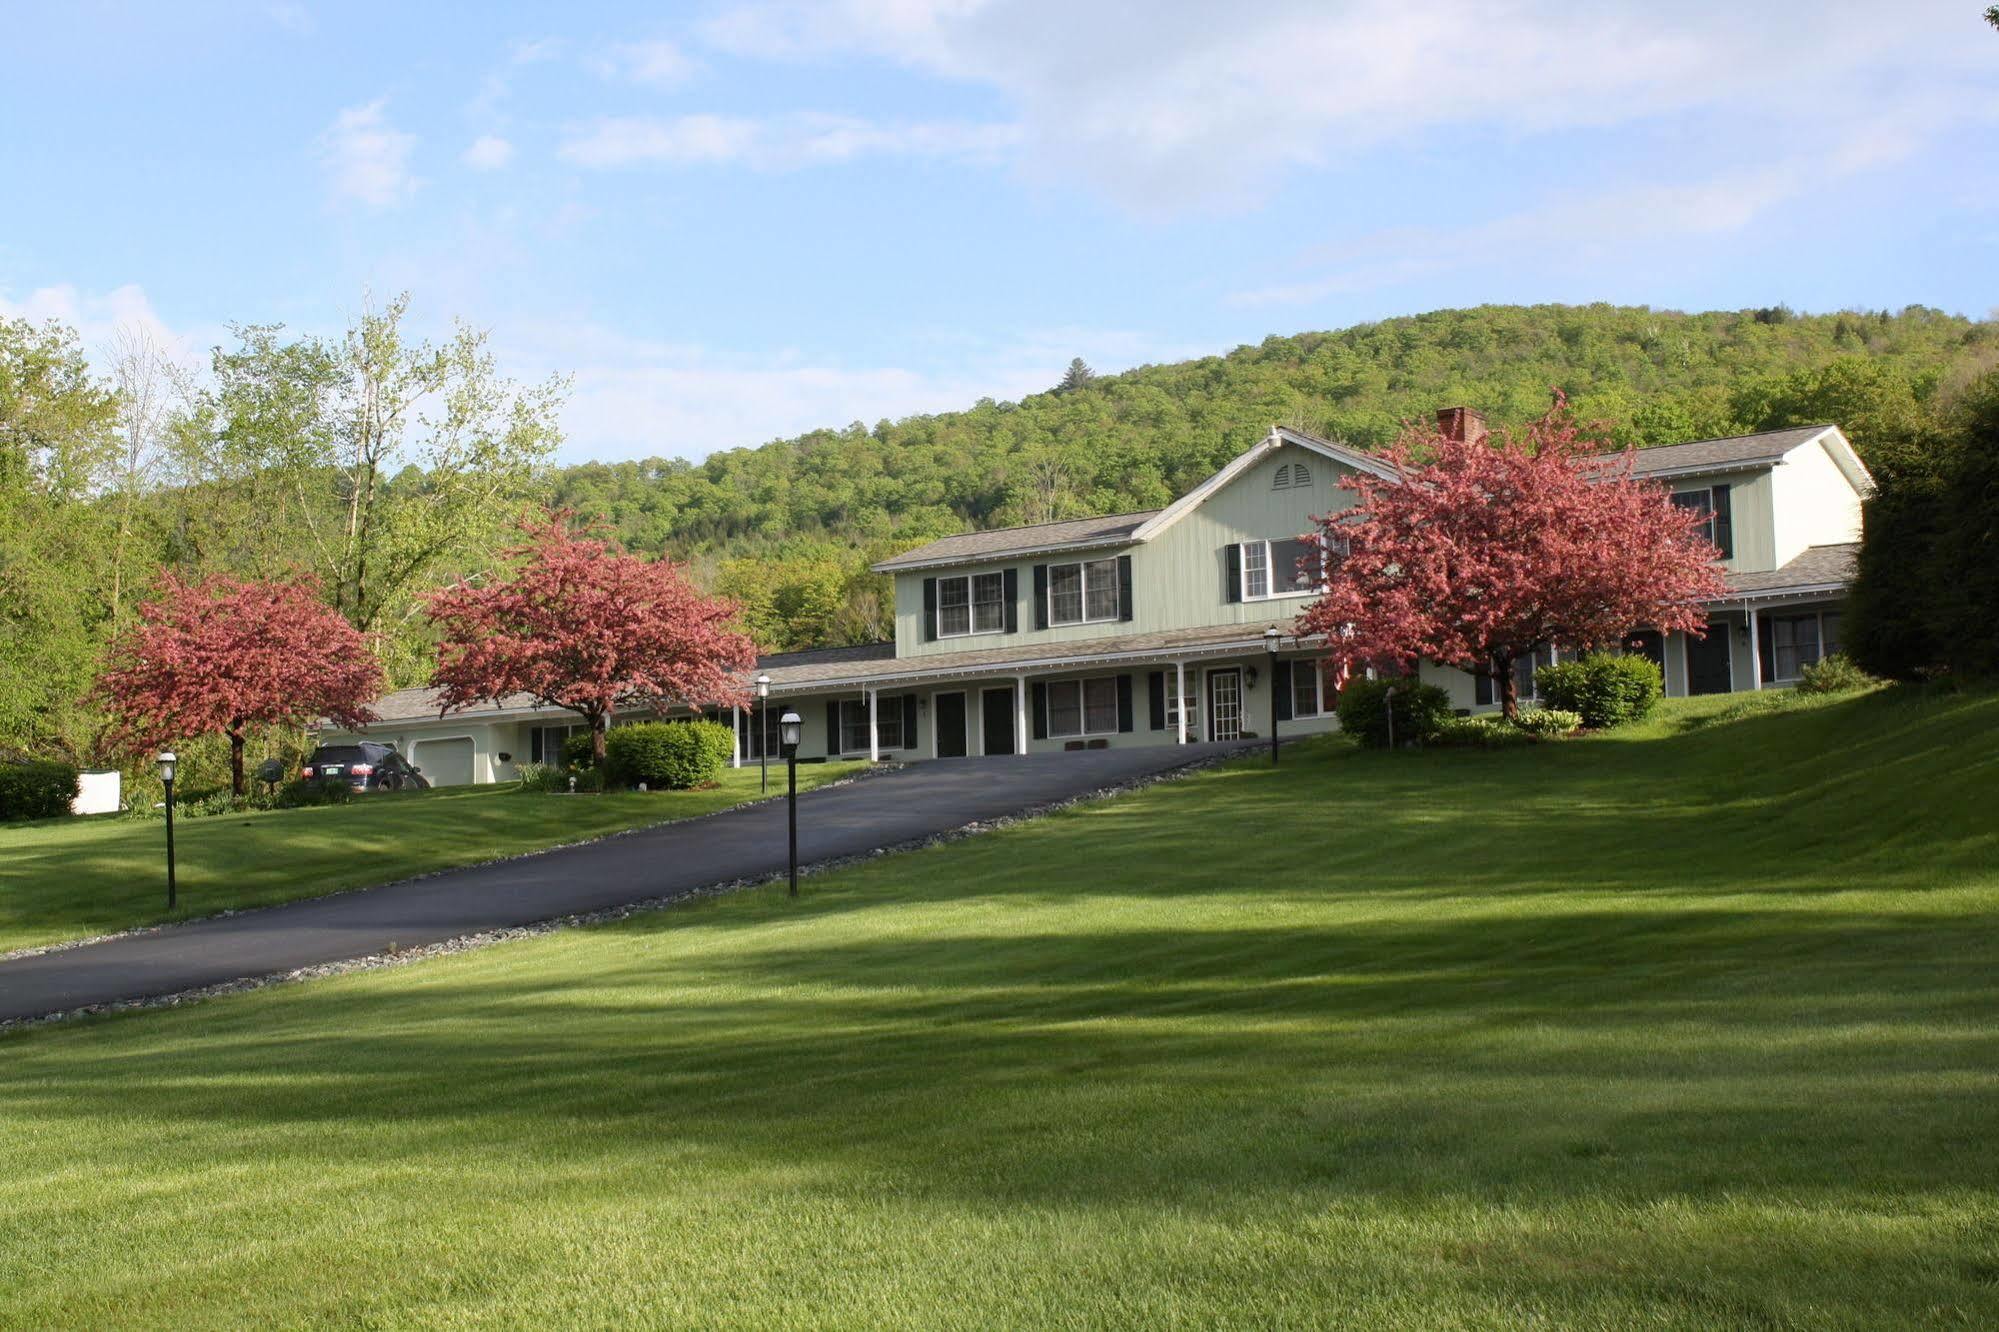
column 1225, row 704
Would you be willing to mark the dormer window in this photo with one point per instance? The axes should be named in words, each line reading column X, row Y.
column 1291, row 476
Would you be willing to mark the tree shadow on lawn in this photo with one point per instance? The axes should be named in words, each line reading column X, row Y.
column 1712, row 1054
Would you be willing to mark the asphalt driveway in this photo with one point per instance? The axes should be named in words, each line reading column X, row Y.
column 918, row 801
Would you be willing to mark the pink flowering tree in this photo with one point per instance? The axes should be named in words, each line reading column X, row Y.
column 579, row 623
column 218, row 653
column 1477, row 552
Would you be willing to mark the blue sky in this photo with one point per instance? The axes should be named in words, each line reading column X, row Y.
column 733, row 221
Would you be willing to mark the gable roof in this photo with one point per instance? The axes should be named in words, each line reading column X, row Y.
column 1002, row 542
column 1713, row 455
column 1121, row 529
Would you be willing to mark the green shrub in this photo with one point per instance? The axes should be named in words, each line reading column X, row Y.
column 543, row 777
column 306, row 792
column 577, row 751
column 1479, row 733
column 36, row 789
column 1604, row 689
column 1836, row 674
column 1548, row 723
column 1420, row 711
column 668, row 755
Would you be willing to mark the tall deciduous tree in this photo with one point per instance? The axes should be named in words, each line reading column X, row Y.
column 1478, row 553
column 390, row 460
column 579, row 623
column 218, row 654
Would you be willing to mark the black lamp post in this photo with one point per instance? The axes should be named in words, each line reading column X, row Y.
column 790, row 729
column 1270, row 637
column 167, row 762
column 763, row 735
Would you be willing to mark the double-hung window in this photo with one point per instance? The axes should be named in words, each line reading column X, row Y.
column 854, row 724
column 1793, row 642
column 1084, row 592
column 545, row 743
column 971, row 604
column 1717, row 522
column 1288, row 568
column 1082, row 707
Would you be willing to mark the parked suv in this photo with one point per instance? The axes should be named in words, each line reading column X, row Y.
column 366, row 767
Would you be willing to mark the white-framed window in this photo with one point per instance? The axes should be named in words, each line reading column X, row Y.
column 1287, row 568
column 1082, row 707
column 1191, row 703
column 1308, row 691
column 760, row 731
column 1717, row 522
column 854, row 723
column 1797, row 641
column 1084, row 592
column 971, row 604
column 545, row 742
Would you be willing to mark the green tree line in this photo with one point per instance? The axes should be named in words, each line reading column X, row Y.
column 385, row 465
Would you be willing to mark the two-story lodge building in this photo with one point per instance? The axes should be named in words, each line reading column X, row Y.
column 1150, row 628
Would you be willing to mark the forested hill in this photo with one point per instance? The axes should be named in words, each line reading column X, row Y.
column 1135, row 440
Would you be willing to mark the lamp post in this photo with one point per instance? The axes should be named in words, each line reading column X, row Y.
column 1270, row 637
column 790, row 728
column 763, row 735
column 167, row 762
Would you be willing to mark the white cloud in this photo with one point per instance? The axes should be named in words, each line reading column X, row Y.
column 367, row 160
column 1166, row 106
column 99, row 318
column 661, row 64
column 488, row 152
column 775, row 144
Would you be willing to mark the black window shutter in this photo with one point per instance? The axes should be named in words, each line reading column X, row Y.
column 930, row 610
column 1232, row 589
column 1724, row 526
column 1766, row 648
column 534, row 744
column 1123, row 703
column 1280, row 680
column 832, row 728
column 1040, row 596
column 1038, row 692
column 1156, row 690
column 909, row 721
column 1124, row 587
column 1482, row 692
column 1010, row 584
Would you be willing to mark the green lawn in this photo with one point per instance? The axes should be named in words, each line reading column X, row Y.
column 1692, row 1028
column 72, row 878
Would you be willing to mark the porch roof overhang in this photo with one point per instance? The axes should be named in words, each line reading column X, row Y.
column 1223, row 641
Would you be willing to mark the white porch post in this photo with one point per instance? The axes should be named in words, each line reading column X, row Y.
column 1180, row 696
column 736, row 733
column 1755, row 651
column 874, row 737
column 1020, row 714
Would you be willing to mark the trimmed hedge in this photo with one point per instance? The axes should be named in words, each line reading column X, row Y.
column 306, row 792
column 1420, row 711
column 1548, row 723
column 1602, row 688
column 672, row 756
column 1479, row 733
column 37, row 789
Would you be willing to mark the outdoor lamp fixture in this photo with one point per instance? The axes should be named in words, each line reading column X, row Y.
column 1270, row 637
column 763, row 736
column 790, row 730
column 168, row 763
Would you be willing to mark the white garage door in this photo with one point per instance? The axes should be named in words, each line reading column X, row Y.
column 445, row 762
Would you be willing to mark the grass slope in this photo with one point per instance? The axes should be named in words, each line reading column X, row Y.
column 1688, row 1028
column 73, row 878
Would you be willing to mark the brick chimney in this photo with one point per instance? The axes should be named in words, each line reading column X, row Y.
column 1461, row 423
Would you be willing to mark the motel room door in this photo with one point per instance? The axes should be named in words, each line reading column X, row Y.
column 948, row 715
column 996, row 711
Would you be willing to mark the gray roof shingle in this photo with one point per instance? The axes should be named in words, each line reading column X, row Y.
column 1715, row 454
column 1000, row 542
column 1818, row 566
